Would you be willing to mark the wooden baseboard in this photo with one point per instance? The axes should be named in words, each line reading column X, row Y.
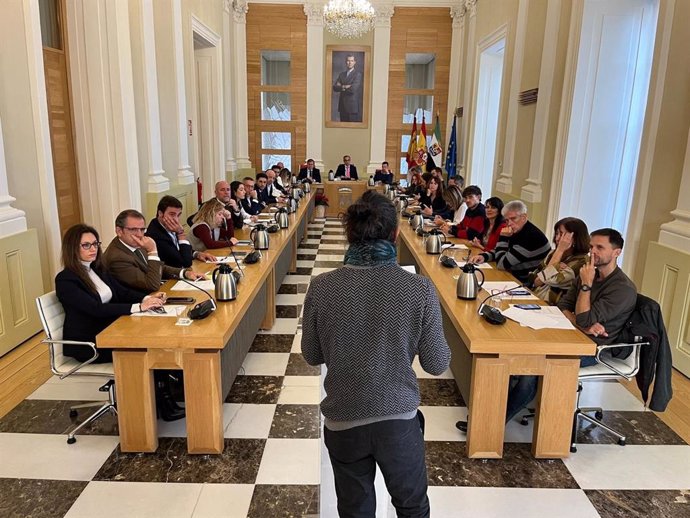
column 22, row 371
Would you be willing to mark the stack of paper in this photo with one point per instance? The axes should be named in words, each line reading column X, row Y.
column 183, row 286
column 483, row 266
column 548, row 317
column 497, row 286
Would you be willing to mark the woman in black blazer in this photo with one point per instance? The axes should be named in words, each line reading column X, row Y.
column 92, row 299
column 432, row 201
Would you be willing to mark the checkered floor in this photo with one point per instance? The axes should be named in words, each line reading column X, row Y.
column 275, row 464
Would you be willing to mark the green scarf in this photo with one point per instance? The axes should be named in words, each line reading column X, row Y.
column 371, row 253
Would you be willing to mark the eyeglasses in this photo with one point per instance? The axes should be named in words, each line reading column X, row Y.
column 135, row 229
column 88, row 246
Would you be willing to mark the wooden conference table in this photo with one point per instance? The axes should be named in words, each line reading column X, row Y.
column 210, row 352
column 339, row 200
column 484, row 356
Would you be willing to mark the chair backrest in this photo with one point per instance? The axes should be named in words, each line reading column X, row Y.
column 52, row 316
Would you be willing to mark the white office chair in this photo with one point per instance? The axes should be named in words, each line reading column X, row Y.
column 52, row 318
column 606, row 368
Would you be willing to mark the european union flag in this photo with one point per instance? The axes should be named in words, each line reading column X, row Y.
column 451, row 158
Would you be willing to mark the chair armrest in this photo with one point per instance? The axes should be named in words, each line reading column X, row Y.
column 69, row 342
column 636, row 351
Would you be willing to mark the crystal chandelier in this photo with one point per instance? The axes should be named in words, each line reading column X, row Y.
column 349, row 19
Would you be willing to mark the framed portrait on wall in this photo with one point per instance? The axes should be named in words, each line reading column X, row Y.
column 347, row 86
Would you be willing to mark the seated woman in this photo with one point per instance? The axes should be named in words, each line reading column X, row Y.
column 415, row 184
column 456, row 206
column 432, row 202
column 559, row 270
column 494, row 225
column 238, row 193
column 212, row 227
column 93, row 299
column 472, row 225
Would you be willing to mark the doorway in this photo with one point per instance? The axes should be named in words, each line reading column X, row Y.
column 606, row 119
column 488, row 103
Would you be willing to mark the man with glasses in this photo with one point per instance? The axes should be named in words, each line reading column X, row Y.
column 132, row 257
column 250, row 203
column 171, row 240
column 346, row 170
column 522, row 250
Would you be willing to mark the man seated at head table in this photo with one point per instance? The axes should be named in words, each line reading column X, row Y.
column 346, row 170
column 522, row 250
column 384, row 175
column 250, row 203
column 310, row 173
column 132, row 257
column 170, row 238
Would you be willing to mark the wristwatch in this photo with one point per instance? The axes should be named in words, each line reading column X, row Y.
column 585, row 287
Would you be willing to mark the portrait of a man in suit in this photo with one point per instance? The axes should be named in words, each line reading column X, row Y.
column 348, row 74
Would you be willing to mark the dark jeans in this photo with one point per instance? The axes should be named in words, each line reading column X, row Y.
column 398, row 448
column 521, row 390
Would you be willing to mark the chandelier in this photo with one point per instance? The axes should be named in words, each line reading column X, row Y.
column 349, row 19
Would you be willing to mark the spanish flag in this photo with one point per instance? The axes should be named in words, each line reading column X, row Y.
column 411, row 156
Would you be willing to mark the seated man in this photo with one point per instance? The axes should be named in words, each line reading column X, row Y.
column 132, row 257
column 603, row 297
column 272, row 186
column 250, row 203
column 310, row 173
column 346, row 170
column 522, row 250
column 170, row 238
column 474, row 222
column 384, row 175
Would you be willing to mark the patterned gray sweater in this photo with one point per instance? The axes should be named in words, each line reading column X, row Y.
column 367, row 324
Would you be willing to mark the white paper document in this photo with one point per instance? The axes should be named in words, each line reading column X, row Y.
column 172, row 310
column 183, row 286
column 548, row 317
column 483, row 266
column 221, row 259
column 451, row 246
column 410, row 268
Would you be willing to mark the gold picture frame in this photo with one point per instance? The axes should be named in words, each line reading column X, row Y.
column 343, row 110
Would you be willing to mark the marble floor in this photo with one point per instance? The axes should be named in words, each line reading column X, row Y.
column 275, row 464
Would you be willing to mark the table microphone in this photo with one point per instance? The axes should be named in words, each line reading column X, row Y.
column 232, row 252
column 491, row 314
column 202, row 309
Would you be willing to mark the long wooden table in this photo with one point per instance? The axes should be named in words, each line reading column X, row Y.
column 209, row 352
column 338, row 196
column 484, row 356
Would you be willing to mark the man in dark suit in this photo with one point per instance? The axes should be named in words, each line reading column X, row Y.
column 346, row 170
column 250, row 203
column 132, row 257
column 384, row 175
column 171, row 240
column 262, row 192
column 349, row 85
column 310, row 173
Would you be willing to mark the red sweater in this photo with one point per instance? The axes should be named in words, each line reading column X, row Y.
column 493, row 237
column 203, row 232
column 472, row 225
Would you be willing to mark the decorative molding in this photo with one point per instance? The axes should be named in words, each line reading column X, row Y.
column 227, row 6
column 314, row 13
column 471, row 7
column 457, row 13
column 384, row 13
column 239, row 10
column 11, row 220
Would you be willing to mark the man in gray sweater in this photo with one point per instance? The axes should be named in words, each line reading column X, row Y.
column 371, row 406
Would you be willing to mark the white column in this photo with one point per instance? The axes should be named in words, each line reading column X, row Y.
column 104, row 113
column 315, row 84
column 228, row 57
column 172, row 90
column 379, row 86
column 532, row 190
column 676, row 233
column 11, row 220
column 457, row 13
column 239, row 87
column 463, row 142
column 504, row 182
column 146, row 95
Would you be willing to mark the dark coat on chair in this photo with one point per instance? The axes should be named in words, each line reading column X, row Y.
column 315, row 175
column 86, row 315
column 131, row 270
column 341, row 171
column 168, row 250
column 655, row 359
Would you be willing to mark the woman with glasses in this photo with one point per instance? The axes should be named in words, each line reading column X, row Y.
column 212, row 227
column 92, row 298
column 559, row 270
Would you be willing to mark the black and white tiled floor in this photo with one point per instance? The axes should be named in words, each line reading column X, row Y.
column 275, row 464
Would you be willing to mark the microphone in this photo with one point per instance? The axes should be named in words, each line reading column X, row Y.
column 202, row 309
column 491, row 314
column 232, row 252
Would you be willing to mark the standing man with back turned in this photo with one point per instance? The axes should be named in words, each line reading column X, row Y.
column 371, row 406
